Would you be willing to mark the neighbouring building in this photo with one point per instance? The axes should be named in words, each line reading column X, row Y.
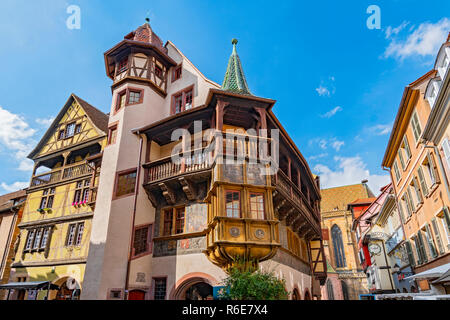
column 339, row 207
column 55, row 227
column 164, row 229
column 419, row 181
column 11, row 210
column 379, row 234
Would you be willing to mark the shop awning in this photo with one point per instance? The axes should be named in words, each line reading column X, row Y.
column 32, row 285
column 431, row 273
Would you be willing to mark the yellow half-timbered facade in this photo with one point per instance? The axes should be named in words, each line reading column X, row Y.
column 55, row 229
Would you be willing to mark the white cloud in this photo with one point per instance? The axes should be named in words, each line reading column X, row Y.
column 45, row 121
column 323, row 91
column 324, row 144
column 318, row 156
column 15, row 136
column 14, row 186
column 424, row 40
column 380, row 129
column 332, row 112
column 395, row 31
column 349, row 170
column 336, row 144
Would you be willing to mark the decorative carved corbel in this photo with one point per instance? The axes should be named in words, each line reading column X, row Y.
column 168, row 193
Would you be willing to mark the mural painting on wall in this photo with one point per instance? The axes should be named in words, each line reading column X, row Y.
column 196, row 217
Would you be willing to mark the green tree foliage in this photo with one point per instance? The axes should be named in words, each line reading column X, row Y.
column 247, row 284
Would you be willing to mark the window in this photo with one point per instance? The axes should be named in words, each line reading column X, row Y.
column 446, row 150
column 121, row 100
column 47, row 198
column 79, row 237
column 78, row 128
column 416, row 127
column 160, row 288
column 30, row 238
column 182, row 101
column 330, row 293
column 177, row 72
column 232, row 204
column 81, row 192
column 70, row 130
column 112, row 134
column 430, row 240
column 409, row 253
column 402, row 161
column 417, row 190
column 170, row 216
column 422, row 181
column 142, row 240
column 37, row 239
column 158, row 71
column 126, row 183
column 179, row 225
column 134, row 97
column 396, row 171
column 74, row 234
column 257, row 205
column 123, row 65
column 338, row 246
column 405, row 146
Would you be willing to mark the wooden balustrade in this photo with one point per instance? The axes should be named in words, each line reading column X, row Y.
column 66, row 173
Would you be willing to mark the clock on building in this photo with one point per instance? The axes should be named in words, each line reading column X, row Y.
column 374, row 248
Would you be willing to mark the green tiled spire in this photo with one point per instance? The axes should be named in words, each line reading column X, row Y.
column 234, row 77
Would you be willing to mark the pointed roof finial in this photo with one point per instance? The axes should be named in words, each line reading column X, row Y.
column 234, row 77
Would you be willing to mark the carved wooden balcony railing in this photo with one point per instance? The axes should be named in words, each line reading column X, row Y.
column 61, row 174
column 292, row 193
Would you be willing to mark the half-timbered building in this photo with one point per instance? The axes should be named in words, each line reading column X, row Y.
column 52, row 245
column 167, row 228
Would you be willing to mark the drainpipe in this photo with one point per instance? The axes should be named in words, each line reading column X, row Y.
column 441, row 166
column 136, row 188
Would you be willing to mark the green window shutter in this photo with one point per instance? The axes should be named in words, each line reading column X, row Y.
column 437, row 235
column 417, row 189
column 422, row 247
column 400, row 156
column 409, row 253
column 430, row 241
column 422, row 181
column 407, row 149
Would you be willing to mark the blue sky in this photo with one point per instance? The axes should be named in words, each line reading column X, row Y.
column 337, row 83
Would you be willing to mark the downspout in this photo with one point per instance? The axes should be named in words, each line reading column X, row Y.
column 136, row 188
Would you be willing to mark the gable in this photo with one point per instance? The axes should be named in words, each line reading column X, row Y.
column 76, row 116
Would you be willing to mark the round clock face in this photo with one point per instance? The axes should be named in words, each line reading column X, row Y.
column 374, row 248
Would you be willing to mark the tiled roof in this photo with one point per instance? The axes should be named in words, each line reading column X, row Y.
column 99, row 118
column 334, row 199
column 6, row 199
column 234, row 80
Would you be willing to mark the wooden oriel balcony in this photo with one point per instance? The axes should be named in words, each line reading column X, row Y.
column 292, row 205
column 61, row 174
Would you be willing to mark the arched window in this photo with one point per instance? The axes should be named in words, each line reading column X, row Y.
column 338, row 246
column 344, row 290
column 330, row 292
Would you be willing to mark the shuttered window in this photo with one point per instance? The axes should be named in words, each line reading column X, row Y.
column 437, row 234
column 417, row 131
column 396, row 171
column 409, row 253
column 422, row 181
column 430, row 241
column 417, row 190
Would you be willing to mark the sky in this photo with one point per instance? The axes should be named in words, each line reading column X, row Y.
column 337, row 83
